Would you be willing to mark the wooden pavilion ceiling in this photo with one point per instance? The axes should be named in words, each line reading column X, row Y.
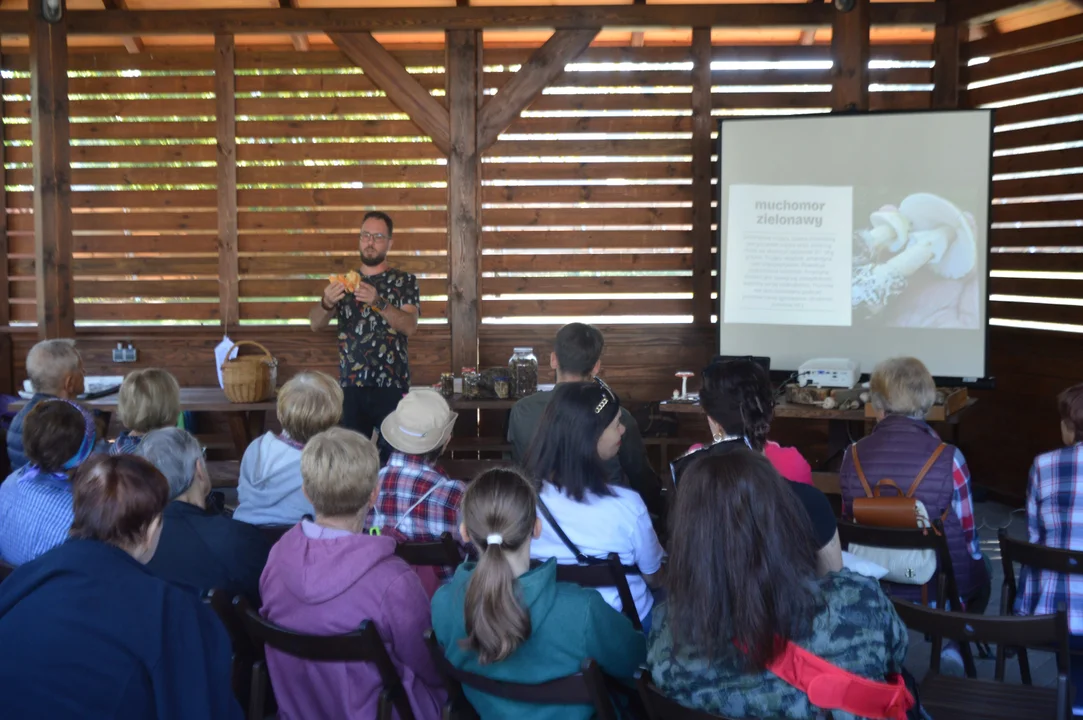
column 1033, row 14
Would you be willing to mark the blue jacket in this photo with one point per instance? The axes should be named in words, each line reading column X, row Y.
column 88, row 633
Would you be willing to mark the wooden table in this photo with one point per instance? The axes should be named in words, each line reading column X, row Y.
column 843, row 426
column 246, row 420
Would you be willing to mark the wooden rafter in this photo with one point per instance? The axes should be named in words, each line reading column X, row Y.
column 978, row 11
column 638, row 39
column 343, row 20
column 300, row 40
column 131, row 43
column 545, row 65
column 401, row 88
column 808, row 35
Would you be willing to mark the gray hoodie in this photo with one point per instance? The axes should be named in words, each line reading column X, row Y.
column 269, row 489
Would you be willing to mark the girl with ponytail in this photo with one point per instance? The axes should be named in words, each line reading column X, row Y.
column 502, row 619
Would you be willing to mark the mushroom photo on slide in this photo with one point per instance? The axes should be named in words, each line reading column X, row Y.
column 915, row 266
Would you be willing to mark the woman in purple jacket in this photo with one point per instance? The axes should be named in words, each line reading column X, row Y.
column 325, row 576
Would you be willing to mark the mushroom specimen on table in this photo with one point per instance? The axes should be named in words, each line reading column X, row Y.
column 684, row 375
column 940, row 236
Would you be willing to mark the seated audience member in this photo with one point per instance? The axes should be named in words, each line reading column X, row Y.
column 743, row 579
column 579, row 431
column 35, row 502
column 417, row 500
column 577, row 357
column 87, row 632
column 199, row 548
column 902, row 391
column 56, row 372
column 269, row 488
column 739, row 403
column 326, row 575
column 149, row 399
column 503, row 620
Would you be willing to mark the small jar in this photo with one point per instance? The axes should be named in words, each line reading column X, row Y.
column 470, row 383
column 447, row 384
column 502, row 387
column 523, row 371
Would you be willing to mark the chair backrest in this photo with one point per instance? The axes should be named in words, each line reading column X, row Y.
column 659, row 707
column 910, row 539
column 437, row 553
column 274, row 533
column 1036, row 557
column 244, row 654
column 586, row 687
column 604, row 575
column 5, row 570
column 364, row 645
column 1039, row 631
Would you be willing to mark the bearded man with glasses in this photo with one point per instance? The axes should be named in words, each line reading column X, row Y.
column 375, row 322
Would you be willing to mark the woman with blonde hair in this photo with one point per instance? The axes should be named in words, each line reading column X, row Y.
column 269, row 489
column 149, row 399
column 504, row 620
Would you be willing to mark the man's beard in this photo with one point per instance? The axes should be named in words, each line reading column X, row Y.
column 373, row 261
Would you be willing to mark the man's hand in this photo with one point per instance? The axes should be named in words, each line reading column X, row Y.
column 332, row 294
column 365, row 293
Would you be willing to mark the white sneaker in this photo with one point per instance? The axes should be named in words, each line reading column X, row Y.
column 951, row 662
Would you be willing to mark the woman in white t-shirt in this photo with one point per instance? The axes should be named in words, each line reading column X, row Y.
column 579, row 431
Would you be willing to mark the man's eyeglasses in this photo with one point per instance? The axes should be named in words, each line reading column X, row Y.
column 378, row 237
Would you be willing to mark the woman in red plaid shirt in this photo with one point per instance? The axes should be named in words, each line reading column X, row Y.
column 417, row 500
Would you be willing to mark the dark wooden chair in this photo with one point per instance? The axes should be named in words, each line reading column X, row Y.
column 1037, row 558
column 437, row 553
column 362, row 645
column 973, row 699
column 609, row 574
column 5, row 570
column 274, row 533
column 244, row 654
column 946, row 589
column 659, row 707
column 586, row 687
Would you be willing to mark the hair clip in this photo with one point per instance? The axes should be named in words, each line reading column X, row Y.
column 602, row 404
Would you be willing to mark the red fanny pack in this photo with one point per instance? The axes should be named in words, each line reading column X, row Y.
column 832, row 688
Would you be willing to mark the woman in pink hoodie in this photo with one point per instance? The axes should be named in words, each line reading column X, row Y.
column 325, row 576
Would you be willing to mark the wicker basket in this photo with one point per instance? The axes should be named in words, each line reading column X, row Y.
column 251, row 378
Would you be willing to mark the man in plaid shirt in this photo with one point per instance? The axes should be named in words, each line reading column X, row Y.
column 1055, row 518
column 416, row 499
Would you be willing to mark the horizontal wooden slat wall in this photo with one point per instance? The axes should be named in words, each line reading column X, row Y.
column 1037, row 238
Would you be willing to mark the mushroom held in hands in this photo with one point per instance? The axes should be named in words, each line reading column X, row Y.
column 941, row 236
column 684, row 375
column 890, row 229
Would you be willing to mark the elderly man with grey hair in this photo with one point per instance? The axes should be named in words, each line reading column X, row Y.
column 200, row 548
column 55, row 370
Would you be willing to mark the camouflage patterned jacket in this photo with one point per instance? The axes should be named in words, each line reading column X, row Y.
column 856, row 629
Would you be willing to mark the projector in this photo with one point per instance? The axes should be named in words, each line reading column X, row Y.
column 828, row 372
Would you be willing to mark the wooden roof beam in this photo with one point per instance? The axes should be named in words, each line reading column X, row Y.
column 344, row 20
column 545, row 65
column 808, row 35
column 131, row 43
column 300, row 40
column 401, row 88
column 981, row 11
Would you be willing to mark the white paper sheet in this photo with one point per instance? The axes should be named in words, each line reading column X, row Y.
column 221, row 353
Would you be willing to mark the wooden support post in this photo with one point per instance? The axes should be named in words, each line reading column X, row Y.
column 947, row 52
column 226, row 158
column 7, row 360
column 545, row 65
column 702, row 146
column 402, row 89
column 52, row 174
column 850, row 53
column 464, row 195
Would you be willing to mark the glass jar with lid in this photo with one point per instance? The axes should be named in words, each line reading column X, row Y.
column 471, row 380
column 523, row 372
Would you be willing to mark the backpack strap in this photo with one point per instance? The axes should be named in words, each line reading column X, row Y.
column 832, row 688
column 860, row 471
column 925, row 470
column 579, row 556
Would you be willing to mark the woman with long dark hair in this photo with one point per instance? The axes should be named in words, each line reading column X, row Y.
column 501, row 619
column 743, row 582
column 740, row 403
column 579, row 431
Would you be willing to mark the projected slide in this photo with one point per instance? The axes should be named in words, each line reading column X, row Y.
column 856, row 236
